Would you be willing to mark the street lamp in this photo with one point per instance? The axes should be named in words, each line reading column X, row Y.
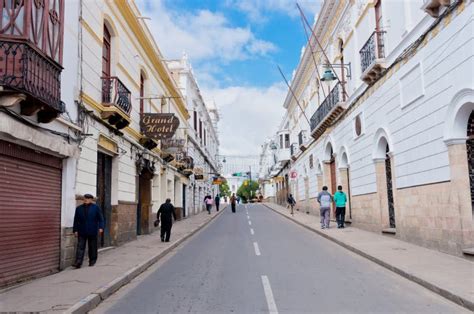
column 330, row 76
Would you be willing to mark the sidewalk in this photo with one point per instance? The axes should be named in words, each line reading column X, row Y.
column 77, row 291
column 450, row 276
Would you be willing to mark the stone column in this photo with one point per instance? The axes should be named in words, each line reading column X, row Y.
column 460, row 192
column 382, row 191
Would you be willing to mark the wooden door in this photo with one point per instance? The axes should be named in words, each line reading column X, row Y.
column 104, row 194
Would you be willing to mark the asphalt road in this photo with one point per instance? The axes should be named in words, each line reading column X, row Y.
column 261, row 263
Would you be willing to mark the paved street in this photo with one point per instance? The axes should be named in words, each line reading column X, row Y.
column 261, row 262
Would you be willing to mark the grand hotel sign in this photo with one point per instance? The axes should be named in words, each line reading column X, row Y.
column 159, row 126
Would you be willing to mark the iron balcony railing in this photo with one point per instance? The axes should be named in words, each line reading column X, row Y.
column 373, row 49
column 26, row 70
column 114, row 92
column 328, row 104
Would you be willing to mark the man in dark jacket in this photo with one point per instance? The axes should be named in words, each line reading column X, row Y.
column 166, row 214
column 217, row 201
column 88, row 221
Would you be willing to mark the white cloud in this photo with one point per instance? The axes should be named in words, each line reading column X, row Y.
column 250, row 115
column 257, row 10
column 203, row 34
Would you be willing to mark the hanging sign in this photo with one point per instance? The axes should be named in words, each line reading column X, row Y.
column 159, row 126
column 173, row 145
column 198, row 173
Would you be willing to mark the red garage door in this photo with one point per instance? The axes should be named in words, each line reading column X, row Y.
column 30, row 213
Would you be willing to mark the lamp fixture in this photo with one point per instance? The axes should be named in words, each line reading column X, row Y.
column 330, row 76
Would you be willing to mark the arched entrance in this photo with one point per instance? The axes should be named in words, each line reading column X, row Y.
column 470, row 155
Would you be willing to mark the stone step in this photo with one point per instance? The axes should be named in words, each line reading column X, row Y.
column 389, row 231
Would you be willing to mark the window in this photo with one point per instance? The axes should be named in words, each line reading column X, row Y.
column 142, row 93
column 311, row 163
column 287, row 140
column 378, row 15
column 106, row 53
column 281, row 141
column 195, row 120
column 200, row 129
column 358, row 126
column 205, row 141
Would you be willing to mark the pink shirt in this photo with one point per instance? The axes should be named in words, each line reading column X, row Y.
column 209, row 201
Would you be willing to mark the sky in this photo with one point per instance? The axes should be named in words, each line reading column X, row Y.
column 234, row 47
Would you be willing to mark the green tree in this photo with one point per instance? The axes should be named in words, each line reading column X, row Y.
column 224, row 189
column 248, row 190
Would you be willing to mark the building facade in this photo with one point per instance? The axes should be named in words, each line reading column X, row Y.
column 202, row 141
column 384, row 107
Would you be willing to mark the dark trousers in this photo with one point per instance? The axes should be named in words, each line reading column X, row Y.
column 81, row 248
column 233, row 207
column 217, row 206
column 340, row 216
column 166, row 230
column 208, row 207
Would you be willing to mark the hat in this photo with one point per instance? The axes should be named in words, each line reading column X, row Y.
column 88, row 196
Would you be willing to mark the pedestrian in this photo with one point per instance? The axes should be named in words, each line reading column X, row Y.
column 291, row 202
column 340, row 199
column 88, row 222
column 238, row 199
column 209, row 204
column 165, row 214
column 217, row 201
column 233, row 201
column 325, row 199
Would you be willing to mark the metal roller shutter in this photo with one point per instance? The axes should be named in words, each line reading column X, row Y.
column 30, row 213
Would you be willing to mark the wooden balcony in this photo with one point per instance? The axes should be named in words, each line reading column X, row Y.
column 117, row 100
column 331, row 108
column 31, row 41
column 372, row 57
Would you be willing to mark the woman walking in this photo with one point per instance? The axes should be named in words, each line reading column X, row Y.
column 208, row 202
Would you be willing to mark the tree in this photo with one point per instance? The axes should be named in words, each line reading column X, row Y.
column 224, row 189
column 248, row 190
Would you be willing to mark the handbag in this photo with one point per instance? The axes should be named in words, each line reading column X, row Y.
column 156, row 223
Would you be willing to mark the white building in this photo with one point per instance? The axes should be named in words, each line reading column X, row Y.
column 202, row 136
column 395, row 127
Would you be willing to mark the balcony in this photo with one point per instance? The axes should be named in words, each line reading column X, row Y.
column 432, row 7
column 117, row 100
column 372, row 57
column 282, row 155
column 31, row 37
column 331, row 109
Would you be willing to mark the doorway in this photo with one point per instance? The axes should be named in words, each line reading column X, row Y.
column 470, row 155
column 104, row 194
column 388, row 176
column 144, row 199
column 184, row 200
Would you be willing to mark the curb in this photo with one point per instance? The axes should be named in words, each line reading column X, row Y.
column 469, row 304
column 91, row 301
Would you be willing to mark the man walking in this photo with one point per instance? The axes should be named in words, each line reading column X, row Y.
column 291, row 203
column 217, row 201
column 340, row 199
column 166, row 214
column 325, row 199
column 88, row 221
column 233, row 200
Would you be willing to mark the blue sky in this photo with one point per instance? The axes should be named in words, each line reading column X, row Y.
column 234, row 47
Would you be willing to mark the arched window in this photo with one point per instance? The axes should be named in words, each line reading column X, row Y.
column 106, row 52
